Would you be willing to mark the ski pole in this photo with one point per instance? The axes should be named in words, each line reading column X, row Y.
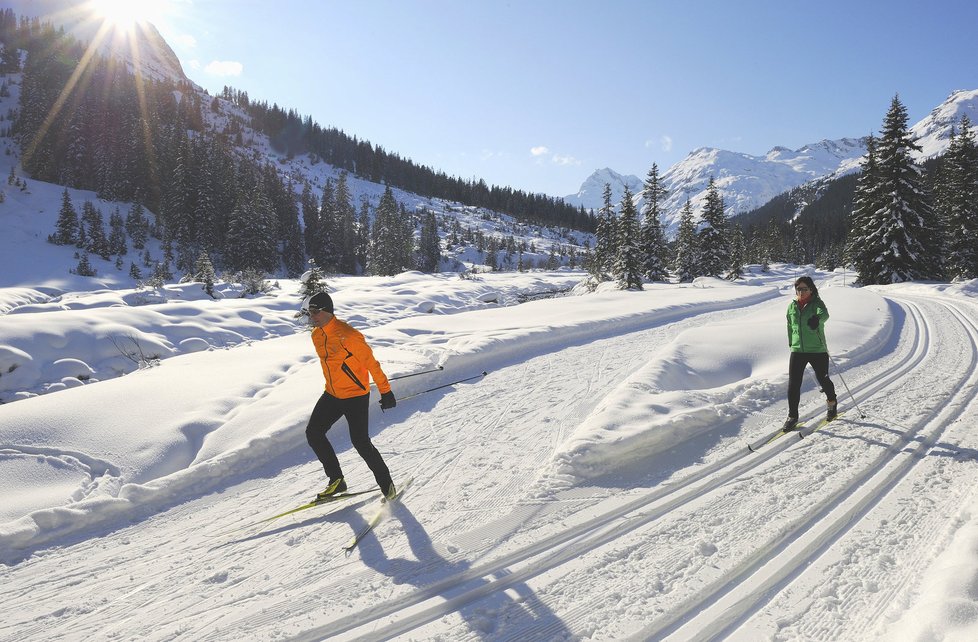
column 862, row 415
column 415, row 374
column 418, row 394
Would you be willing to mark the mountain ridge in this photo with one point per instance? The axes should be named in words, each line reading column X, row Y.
column 747, row 182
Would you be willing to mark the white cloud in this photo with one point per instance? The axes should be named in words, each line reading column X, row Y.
column 541, row 151
column 224, row 68
column 664, row 143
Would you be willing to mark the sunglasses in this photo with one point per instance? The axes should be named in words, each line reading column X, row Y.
column 304, row 313
column 802, row 289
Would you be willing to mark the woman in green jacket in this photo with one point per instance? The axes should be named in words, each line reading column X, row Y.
column 807, row 315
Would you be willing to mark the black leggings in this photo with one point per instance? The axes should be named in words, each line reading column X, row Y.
column 796, row 370
column 327, row 412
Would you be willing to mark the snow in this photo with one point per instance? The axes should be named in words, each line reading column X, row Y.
column 594, row 484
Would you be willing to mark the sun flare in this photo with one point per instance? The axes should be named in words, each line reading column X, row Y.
column 123, row 14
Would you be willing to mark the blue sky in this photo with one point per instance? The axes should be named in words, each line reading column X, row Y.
column 538, row 94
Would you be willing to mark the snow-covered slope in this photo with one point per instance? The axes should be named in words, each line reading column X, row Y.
column 578, row 490
column 143, row 48
column 933, row 132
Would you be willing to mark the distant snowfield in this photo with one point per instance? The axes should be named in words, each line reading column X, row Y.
column 594, row 484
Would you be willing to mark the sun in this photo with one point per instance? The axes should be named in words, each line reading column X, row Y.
column 123, row 15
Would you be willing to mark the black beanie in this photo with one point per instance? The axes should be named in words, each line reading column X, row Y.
column 322, row 301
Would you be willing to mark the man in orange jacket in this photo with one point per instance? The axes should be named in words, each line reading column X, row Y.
column 347, row 362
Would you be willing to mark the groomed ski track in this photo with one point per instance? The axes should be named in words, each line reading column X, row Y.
column 707, row 546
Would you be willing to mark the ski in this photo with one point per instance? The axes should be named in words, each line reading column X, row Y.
column 320, row 502
column 777, row 435
column 819, row 426
column 377, row 517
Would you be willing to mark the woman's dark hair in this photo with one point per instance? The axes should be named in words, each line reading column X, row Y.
column 807, row 280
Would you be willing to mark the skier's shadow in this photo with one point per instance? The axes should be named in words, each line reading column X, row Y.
column 526, row 617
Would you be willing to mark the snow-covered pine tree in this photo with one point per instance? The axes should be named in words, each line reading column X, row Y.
column 96, row 242
column 959, row 205
column 363, row 235
column 605, row 243
column 686, row 245
column 204, row 273
column 326, row 251
column 384, row 252
column 867, row 201
column 902, row 231
column 310, row 219
column 117, row 234
column 313, row 281
column 714, row 248
column 66, row 229
column 738, row 253
column 628, row 260
column 84, row 267
column 654, row 245
column 345, row 224
column 429, row 244
column 287, row 207
column 137, row 226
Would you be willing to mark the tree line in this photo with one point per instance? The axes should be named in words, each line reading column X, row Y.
column 127, row 138
column 894, row 220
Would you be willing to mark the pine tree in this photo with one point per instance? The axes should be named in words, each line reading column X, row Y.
column 429, row 245
column 313, row 281
column 327, row 251
column 714, row 258
column 345, row 223
column 687, row 250
column 738, row 252
column 902, row 231
column 605, row 244
column 363, row 236
column 117, row 234
column 137, row 226
column 385, row 254
column 653, row 236
column 867, row 202
column 628, row 262
column 84, row 267
column 66, row 230
column 204, row 273
column 959, row 206
column 96, row 242
column 310, row 219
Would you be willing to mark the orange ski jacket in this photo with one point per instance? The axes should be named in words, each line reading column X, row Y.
column 346, row 360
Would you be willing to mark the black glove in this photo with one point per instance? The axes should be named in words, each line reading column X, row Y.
column 813, row 322
column 387, row 400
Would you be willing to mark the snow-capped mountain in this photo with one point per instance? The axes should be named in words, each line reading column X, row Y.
column 747, row 182
column 591, row 194
column 933, row 132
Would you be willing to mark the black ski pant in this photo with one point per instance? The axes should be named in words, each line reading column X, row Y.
column 327, row 412
column 796, row 370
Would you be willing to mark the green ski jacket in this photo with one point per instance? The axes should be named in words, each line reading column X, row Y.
column 801, row 337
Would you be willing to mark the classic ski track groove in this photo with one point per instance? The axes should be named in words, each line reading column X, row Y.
column 167, row 566
column 529, row 561
column 824, row 524
column 576, row 541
